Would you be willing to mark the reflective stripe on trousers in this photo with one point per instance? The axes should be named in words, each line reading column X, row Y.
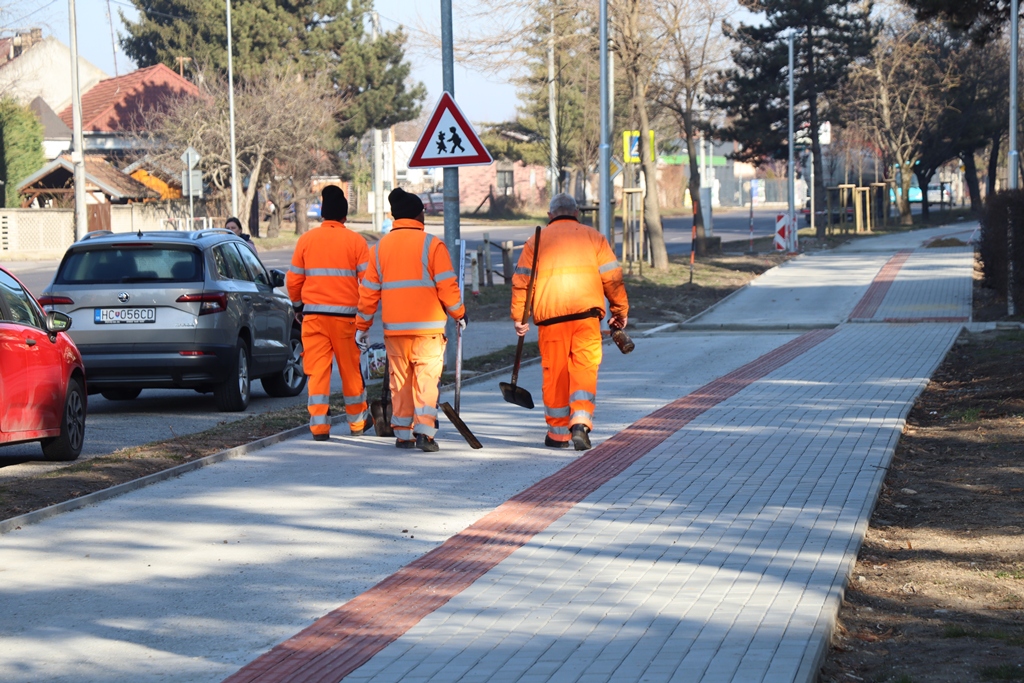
column 570, row 356
column 324, row 340
column 415, row 363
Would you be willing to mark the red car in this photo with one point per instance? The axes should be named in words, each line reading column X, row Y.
column 42, row 380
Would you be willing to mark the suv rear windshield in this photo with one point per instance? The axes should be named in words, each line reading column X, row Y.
column 119, row 263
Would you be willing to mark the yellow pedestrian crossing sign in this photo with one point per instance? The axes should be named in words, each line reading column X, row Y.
column 631, row 146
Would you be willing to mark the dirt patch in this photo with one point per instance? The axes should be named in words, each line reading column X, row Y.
column 937, row 593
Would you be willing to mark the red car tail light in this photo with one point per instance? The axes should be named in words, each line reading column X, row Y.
column 55, row 301
column 191, row 353
column 210, row 302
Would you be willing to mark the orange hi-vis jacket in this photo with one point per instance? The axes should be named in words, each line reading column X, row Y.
column 576, row 270
column 327, row 264
column 412, row 277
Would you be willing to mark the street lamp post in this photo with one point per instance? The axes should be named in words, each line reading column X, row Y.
column 791, row 233
column 1012, row 157
column 604, row 150
column 78, row 151
column 231, row 121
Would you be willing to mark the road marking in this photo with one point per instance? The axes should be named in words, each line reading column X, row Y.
column 342, row 641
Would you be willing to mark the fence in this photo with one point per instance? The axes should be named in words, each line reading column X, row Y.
column 42, row 233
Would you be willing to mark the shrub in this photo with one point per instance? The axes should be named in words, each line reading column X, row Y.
column 21, row 147
column 1002, row 210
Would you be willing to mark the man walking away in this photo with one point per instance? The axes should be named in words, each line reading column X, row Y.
column 576, row 270
column 323, row 283
column 411, row 277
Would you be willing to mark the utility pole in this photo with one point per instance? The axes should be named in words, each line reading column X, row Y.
column 231, row 122
column 552, row 121
column 791, row 233
column 113, row 43
column 378, row 153
column 604, row 151
column 181, row 65
column 451, row 173
column 78, row 151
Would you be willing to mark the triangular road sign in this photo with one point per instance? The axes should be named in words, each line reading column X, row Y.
column 449, row 140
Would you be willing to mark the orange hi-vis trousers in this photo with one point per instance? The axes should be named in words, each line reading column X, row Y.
column 570, row 354
column 415, row 362
column 324, row 338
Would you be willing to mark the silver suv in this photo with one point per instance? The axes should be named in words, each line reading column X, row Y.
column 189, row 310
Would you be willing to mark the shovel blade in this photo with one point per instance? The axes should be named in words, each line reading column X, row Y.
column 516, row 395
column 454, row 418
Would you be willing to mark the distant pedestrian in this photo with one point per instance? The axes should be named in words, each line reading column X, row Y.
column 235, row 226
column 576, row 270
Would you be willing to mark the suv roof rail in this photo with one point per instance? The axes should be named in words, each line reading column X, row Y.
column 95, row 233
column 198, row 234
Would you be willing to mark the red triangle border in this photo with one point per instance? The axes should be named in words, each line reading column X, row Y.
column 481, row 157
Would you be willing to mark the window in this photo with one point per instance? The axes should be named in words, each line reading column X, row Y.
column 506, row 184
column 229, row 263
column 19, row 302
column 116, row 264
column 259, row 273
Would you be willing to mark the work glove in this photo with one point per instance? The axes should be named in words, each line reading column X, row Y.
column 522, row 328
column 463, row 322
column 618, row 322
column 363, row 339
column 298, row 311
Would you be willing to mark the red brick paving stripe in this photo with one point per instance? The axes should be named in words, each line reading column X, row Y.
column 872, row 299
column 342, row 641
column 939, row 319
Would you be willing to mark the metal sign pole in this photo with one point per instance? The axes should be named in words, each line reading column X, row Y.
column 791, row 233
column 451, row 174
column 78, row 151
column 1012, row 157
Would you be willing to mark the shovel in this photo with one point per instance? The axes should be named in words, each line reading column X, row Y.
column 453, row 413
column 509, row 391
column 380, row 410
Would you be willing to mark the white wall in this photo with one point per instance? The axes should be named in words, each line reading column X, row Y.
column 44, row 70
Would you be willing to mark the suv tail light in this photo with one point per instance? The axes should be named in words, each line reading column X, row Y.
column 211, row 302
column 55, row 301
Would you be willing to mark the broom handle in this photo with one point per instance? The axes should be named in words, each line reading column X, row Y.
column 527, row 305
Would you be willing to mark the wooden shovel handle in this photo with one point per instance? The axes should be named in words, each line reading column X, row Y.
column 527, row 305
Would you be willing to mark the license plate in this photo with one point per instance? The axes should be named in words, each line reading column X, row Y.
column 108, row 316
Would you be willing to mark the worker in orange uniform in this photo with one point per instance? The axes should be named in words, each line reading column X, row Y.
column 323, row 283
column 576, row 270
column 411, row 277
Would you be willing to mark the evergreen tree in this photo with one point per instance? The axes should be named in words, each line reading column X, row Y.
column 316, row 36
column 21, row 147
column 982, row 19
column 831, row 34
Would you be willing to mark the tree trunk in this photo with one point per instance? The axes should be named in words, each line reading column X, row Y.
column 922, row 183
column 694, row 183
column 652, row 213
column 993, row 164
column 903, row 201
column 301, row 222
column 819, row 174
column 250, row 192
column 971, row 175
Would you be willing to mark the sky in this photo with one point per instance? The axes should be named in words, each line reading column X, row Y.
column 482, row 98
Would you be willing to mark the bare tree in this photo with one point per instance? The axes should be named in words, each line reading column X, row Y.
column 898, row 94
column 695, row 49
column 279, row 116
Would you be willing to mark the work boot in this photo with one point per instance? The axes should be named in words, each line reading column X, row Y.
column 321, row 437
column 581, row 437
column 551, row 443
column 356, row 432
column 403, row 443
column 426, row 444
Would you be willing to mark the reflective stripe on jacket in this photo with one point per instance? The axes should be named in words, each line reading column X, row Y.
column 576, row 270
column 327, row 264
column 412, row 278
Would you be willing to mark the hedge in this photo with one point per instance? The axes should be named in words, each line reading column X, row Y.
column 1003, row 209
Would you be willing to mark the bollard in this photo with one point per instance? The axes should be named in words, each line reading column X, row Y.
column 488, row 274
column 474, row 275
column 506, row 261
column 480, row 278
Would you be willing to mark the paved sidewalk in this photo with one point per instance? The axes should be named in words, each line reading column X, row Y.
column 707, row 537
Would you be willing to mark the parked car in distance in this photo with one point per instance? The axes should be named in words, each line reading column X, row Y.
column 433, row 203
column 42, row 378
column 913, row 195
column 188, row 310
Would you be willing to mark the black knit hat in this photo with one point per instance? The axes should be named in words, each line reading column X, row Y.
column 405, row 204
column 334, row 206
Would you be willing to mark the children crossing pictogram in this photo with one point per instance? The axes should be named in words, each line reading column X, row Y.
column 448, row 140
